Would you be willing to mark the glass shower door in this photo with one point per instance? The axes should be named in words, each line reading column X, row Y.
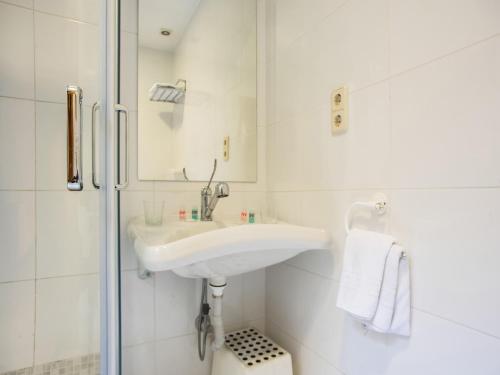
column 52, row 213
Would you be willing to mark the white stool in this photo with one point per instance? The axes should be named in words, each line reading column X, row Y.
column 249, row 352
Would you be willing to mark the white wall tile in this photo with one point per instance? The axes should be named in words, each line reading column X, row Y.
column 433, row 108
column 307, row 72
column 177, row 305
column 67, row 233
column 437, row 347
column 21, row 3
column 128, row 59
column 254, row 295
column 326, row 210
column 305, row 307
column 360, row 158
column 17, row 321
column 66, row 53
column 410, row 131
column 17, row 143
column 81, row 10
column 51, row 147
column 16, row 60
column 424, row 30
column 17, row 230
column 134, row 182
column 451, row 236
column 293, row 18
column 232, row 303
column 180, row 356
column 304, row 360
column 67, row 317
column 131, row 206
column 139, row 359
column 138, row 322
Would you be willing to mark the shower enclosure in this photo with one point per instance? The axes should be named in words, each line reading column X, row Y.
column 64, row 160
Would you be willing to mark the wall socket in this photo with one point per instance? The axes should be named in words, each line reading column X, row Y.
column 226, row 148
column 340, row 110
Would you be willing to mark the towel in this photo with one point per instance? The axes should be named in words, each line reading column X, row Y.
column 363, row 272
column 393, row 310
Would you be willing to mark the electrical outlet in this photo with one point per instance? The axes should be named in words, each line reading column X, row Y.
column 340, row 99
column 340, row 110
column 226, row 148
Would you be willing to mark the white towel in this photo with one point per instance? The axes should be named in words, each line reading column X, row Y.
column 362, row 273
column 393, row 310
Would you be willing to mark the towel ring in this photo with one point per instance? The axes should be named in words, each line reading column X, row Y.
column 379, row 207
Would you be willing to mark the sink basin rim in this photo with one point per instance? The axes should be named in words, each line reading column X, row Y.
column 228, row 241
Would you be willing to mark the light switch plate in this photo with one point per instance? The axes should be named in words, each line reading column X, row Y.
column 340, row 110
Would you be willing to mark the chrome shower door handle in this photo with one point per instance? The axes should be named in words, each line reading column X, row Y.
column 74, row 142
column 119, row 108
column 96, row 107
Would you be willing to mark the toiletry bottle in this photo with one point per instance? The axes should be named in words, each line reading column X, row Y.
column 182, row 214
column 251, row 217
column 194, row 214
column 244, row 216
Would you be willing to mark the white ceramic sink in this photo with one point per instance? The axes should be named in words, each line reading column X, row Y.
column 219, row 249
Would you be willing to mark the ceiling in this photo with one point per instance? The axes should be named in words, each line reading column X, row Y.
column 155, row 15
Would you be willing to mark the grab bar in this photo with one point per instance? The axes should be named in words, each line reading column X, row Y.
column 122, row 185
column 74, row 98
column 95, row 108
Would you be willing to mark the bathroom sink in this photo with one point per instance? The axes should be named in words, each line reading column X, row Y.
column 218, row 249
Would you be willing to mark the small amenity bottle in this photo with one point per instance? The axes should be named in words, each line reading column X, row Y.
column 182, row 214
column 194, row 214
column 251, row 217
column 244, row 216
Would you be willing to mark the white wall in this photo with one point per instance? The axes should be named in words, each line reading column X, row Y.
column 48, row 260
column 155, row 135
column 217, row 57
column 425, row 87
column 158, row 313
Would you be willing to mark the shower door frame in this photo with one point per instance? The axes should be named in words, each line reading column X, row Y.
column 109, row 260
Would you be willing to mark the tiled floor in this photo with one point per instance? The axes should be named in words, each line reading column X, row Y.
column 84, row 365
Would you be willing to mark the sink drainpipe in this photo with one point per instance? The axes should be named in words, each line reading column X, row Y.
column 217, row 286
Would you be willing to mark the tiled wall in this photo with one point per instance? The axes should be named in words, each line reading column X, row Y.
column 48, row 260
column 158, row 313
column 424, row 129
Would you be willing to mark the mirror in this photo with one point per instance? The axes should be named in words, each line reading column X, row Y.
column 197, row 83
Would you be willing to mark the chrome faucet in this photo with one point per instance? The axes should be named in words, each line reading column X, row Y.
column 209, row 200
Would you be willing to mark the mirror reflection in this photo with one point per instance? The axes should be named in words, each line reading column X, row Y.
column 197, row 90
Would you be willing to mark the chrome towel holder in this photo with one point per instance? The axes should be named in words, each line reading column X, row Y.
column 378, row 205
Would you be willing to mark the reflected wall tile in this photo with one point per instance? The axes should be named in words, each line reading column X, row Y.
column 16, row 59
column 60, row 61
column 17, row 230
column 67, row 233
column 17, row 325
column 17, row 144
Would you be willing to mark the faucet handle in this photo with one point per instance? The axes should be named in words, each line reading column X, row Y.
column 221, row 190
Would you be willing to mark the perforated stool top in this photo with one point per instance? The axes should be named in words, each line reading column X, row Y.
column 253, row 348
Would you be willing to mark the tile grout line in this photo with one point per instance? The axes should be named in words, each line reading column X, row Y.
column 413, row 307
column 35, row 197
column 460, row 324
column 300, row 343
column 391, row 76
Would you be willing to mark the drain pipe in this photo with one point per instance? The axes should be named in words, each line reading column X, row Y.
column 217, row 286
